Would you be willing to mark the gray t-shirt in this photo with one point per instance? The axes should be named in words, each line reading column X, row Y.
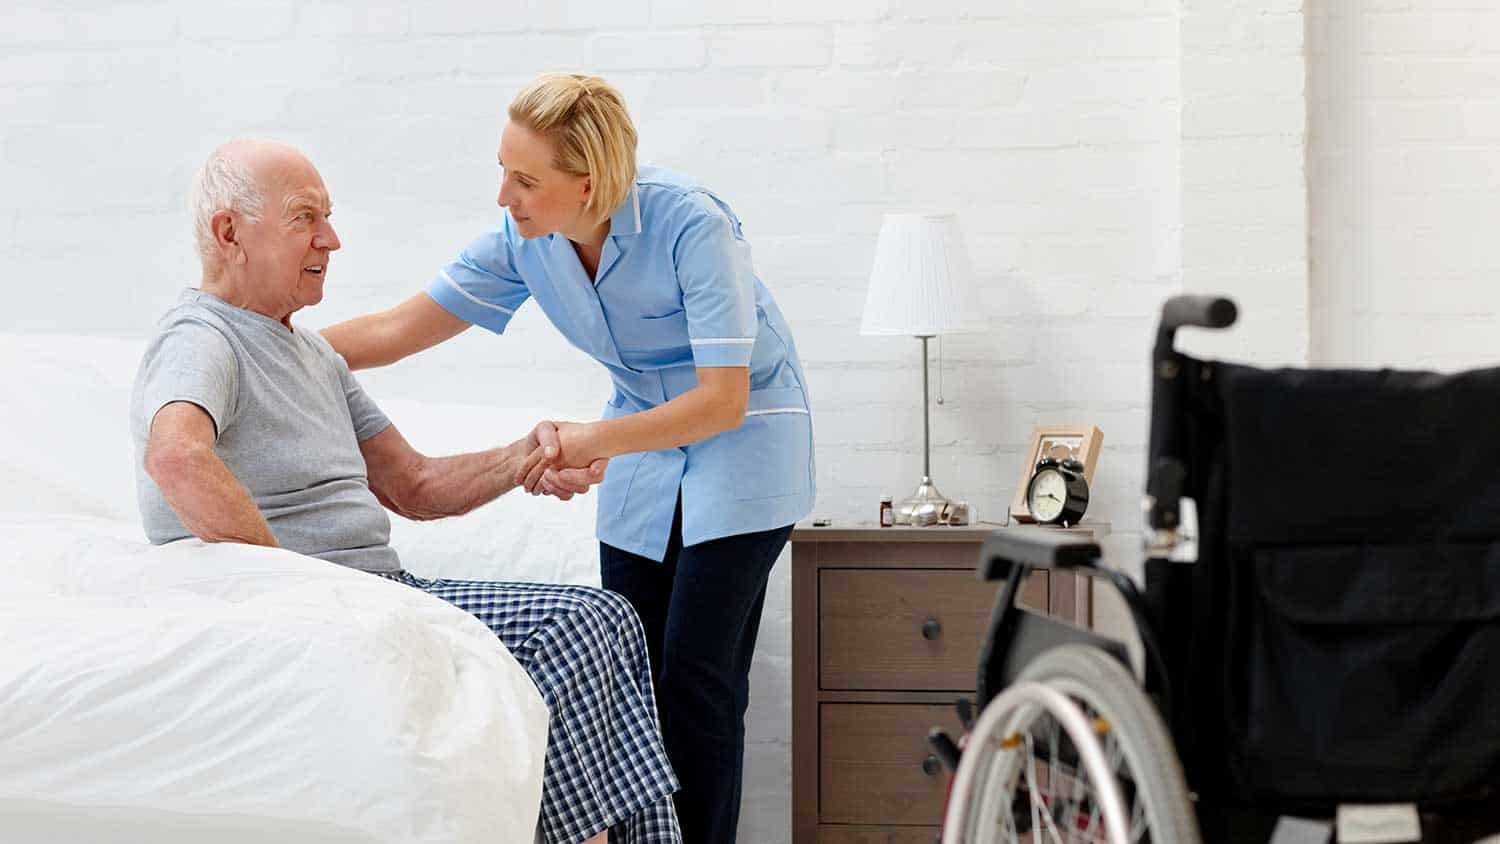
column 289, row 418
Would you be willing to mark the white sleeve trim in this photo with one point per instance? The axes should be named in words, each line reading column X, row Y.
column 471, row 297
column 768, row 410
column 724, row 341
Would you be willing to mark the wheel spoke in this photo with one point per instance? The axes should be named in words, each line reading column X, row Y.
column 1045, row 813
column 1046, row 750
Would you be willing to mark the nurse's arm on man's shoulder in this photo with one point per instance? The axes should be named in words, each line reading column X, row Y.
column 387, row 336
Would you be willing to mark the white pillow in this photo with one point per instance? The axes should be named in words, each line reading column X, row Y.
column 64, row 430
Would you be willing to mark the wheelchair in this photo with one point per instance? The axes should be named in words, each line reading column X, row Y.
column 1319, row 625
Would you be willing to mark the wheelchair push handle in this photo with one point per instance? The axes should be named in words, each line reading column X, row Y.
column 1189, row 311
column 1167, row 473
column 1198, row 311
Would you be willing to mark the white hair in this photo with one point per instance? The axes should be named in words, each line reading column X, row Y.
column 224, row 183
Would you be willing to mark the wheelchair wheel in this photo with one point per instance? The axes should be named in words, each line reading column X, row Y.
column 1030, row 777
column 1034, row 770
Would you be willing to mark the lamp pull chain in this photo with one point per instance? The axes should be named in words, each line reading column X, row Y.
column 940, row 369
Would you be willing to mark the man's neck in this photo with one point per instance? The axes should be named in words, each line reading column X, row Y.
column 237, row 293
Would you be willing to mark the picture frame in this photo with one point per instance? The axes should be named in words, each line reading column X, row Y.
column 1081, row 442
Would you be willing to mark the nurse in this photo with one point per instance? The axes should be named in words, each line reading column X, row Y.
column 707, row 434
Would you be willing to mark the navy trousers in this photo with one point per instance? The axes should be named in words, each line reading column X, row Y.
column 701, row 610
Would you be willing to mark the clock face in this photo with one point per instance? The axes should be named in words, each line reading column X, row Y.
column 1047, row 494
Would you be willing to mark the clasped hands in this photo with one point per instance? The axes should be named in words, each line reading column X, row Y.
column 560, row 462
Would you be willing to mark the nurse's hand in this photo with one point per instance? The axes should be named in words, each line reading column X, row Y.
column 546, row 452
column 566, row 483
column 561, row 445
column 577, row 443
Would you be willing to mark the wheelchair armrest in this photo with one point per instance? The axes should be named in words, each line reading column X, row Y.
column 1037, row 547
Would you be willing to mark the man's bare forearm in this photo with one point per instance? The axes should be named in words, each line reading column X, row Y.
column 454, row 485
column 212, row 504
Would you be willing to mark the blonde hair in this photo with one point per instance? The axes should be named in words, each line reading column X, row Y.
column 585, row 120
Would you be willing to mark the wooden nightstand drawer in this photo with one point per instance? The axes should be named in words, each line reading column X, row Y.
column 871, row 628
column 867, row 685
column 871, row 764
column 843, row 834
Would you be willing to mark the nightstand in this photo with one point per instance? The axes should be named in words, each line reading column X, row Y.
column 886, row 629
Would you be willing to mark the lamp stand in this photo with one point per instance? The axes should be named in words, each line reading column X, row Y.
column 925, row 506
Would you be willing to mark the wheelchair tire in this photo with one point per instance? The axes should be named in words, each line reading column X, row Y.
column 1002, row 793
column 1103, row 687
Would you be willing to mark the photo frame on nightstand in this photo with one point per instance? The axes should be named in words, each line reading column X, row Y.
column 1080, row 442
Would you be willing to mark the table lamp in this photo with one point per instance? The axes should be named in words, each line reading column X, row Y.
column 921, row 286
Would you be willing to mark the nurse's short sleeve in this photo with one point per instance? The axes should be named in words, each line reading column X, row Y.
column 190, row 361
column 718, row 286
column 482, row 285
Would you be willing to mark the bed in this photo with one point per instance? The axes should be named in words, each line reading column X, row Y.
column 220, row 692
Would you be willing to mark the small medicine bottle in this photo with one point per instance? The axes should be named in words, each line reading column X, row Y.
column 960, row 514
column 887, row 512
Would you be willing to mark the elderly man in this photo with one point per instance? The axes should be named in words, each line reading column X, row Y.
column 249, row 428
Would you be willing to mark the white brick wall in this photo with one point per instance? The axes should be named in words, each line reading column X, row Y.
column 1244, row 195
column 1405, row 183
column 1102, row 155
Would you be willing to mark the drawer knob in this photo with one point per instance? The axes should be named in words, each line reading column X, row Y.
column 931, row 766
column 931, row 629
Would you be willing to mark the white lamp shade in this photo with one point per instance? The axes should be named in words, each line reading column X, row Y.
column 922, row 284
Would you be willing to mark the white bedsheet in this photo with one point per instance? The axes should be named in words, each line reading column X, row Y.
column 198, row 692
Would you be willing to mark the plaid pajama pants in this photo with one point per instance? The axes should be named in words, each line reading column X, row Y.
column 585, row 650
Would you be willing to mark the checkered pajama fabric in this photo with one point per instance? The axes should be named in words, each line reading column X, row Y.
column 585, row 650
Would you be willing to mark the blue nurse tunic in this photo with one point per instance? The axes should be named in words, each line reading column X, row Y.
column 674, row 291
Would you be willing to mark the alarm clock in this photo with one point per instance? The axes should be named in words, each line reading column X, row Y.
column 1057, row 493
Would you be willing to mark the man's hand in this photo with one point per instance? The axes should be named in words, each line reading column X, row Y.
column 544, row 445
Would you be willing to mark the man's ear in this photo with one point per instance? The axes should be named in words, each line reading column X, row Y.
column 227, row 237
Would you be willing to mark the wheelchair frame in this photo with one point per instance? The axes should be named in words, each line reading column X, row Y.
column 1020, row 635
column 1016, row 635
